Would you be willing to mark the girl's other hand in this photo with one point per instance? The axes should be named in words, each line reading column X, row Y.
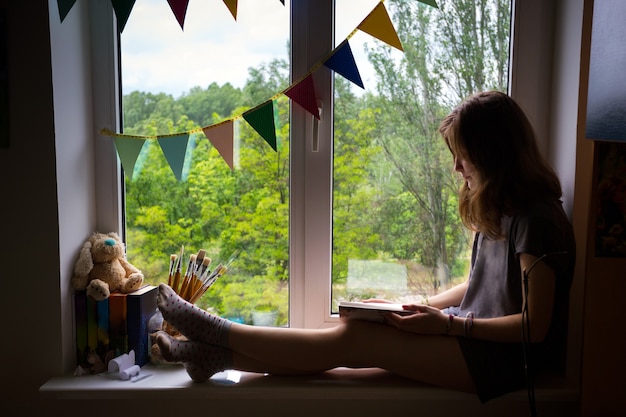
column 426, row 320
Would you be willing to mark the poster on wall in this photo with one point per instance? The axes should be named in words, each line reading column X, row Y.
column 610, row 201
column 606, row 97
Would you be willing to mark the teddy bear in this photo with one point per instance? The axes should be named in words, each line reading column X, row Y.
column 102, row 268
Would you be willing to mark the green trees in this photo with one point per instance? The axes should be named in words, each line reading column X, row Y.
column 215, row 209
column 394, row 196
column 449, row 53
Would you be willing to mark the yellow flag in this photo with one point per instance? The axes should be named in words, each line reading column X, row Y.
column 378, row 24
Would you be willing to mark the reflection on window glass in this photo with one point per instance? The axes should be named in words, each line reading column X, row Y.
column 183, row 80
column 396, row 230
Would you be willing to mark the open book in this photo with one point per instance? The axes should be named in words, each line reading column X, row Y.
column 370, row 311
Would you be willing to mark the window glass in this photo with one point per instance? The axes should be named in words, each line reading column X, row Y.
column 396, row 230
column 175, row 81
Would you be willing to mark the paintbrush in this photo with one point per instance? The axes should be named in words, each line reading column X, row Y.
column 208, row 278
column 184, row 288
column 219, row 271
column 199, row 258
column 202, row 271
column 170, row 275
column 194, row 277
column 178, row 270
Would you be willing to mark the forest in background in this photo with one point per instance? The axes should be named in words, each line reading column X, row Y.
column 394, row 189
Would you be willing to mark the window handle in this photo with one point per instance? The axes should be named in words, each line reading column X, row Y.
column 315, row 143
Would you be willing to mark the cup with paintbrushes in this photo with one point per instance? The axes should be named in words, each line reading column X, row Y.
column 190, row 286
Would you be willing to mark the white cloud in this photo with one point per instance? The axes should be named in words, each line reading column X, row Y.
column 157, row 56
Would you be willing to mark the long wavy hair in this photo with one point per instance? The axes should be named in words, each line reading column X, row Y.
column 491, row 131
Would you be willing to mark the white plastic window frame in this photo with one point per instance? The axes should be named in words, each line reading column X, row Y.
column 312, row 23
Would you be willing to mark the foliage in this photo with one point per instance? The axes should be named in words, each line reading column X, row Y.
column 394, row 192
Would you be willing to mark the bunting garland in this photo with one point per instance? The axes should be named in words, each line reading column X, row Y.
column 122, row 10
column 342, row 62
column 179, row 8
column 378, row 24
column 303, row 93
column 232, row 7
column 261, row 118
column 128, row 151
column 124, row 7
column 64, row 7
column 221, row 137
column 175, row 148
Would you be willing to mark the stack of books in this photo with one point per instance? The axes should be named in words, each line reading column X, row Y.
column 114, row 326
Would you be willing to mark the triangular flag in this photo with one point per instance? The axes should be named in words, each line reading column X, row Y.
column 175, row 148
column 64, row 7
column 128, row 150
column 303, row 93
column 378, row 24
column 232, row 6
column 342, row 61
column 430, row 3
column 261, row 119
column 221, row 136
column 179, row 7
column 122, row 12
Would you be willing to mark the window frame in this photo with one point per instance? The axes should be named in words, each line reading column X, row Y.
column 310, row 224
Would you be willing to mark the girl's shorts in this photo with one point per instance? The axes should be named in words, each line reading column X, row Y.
column 496, row 368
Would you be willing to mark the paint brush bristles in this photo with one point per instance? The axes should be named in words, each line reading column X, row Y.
column 178, row 270
column 209, row 278
column 170, row 274
column 219, row 271
column 199, row 258
column 197, row 279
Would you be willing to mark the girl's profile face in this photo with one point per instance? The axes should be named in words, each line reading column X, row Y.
column 468, row 171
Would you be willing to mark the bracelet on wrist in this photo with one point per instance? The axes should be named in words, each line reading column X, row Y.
column 467, row 325
column 449, row 323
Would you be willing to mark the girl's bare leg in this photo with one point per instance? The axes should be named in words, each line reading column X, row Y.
column 356, row 344
column 436, row 360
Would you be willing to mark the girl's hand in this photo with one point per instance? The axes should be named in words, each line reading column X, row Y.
column 426, row 320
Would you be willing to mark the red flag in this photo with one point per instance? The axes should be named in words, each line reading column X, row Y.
column 179, row 7
column 303, row 93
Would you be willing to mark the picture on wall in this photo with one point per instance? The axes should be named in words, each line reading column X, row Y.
column 610, row 199
column 606, row 98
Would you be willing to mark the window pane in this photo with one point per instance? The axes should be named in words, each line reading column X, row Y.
column 175, row 81
column 396, row 230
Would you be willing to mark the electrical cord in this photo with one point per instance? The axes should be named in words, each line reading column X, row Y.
column 526, row 339
column 526, row 348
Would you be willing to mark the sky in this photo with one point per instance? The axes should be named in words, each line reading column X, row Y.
column 158, row 56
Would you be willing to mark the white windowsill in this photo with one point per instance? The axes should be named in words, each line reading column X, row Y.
column 339, row 385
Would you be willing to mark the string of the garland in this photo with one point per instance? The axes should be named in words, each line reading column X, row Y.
column 108, row 132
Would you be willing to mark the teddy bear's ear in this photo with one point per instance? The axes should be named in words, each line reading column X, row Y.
column 84, row 264
column 114, row 236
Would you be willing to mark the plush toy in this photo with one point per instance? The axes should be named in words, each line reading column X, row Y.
column 102, row 268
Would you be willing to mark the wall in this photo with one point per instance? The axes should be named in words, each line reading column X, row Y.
column 604, row 344
column 30, row 221
column 71, row 80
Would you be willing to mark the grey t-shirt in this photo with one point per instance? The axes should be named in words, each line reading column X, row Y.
column 495, row 280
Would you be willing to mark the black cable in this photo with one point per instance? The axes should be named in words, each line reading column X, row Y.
column 526, row 339
column 526, row 348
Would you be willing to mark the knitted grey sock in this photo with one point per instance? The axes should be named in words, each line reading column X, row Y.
column 191, row 320
column 201, row 360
